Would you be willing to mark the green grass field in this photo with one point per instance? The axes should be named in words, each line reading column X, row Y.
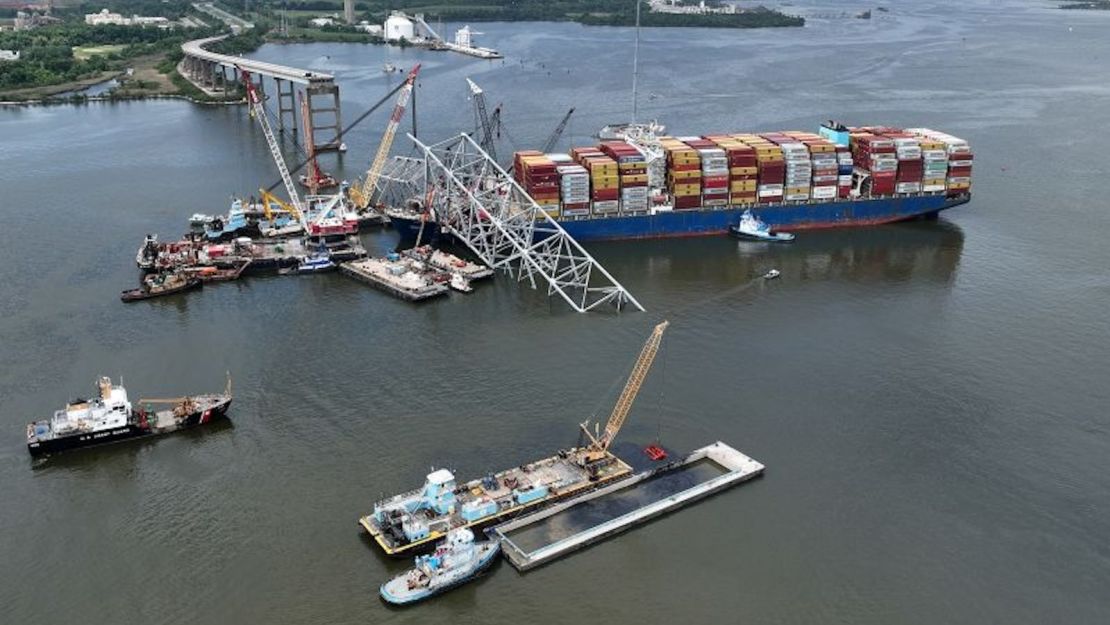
column 84, row 53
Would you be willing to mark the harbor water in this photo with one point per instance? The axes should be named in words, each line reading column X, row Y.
column 929, row 398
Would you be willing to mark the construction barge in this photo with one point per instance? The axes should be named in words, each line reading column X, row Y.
column 735, row 467
column 396, row 277
column 414, row 520
column 243, row 256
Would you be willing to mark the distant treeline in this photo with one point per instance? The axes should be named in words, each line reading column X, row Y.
column 171, row 9
column 600, row 12
column 1101, row 5
column 46, row 53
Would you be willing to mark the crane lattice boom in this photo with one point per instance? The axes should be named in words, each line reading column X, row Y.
column 631, row 389
column 259, row 113
column 558, row 132
column 487, row 142
column 363, row 197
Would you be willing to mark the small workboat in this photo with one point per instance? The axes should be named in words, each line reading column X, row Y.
column 752, row 227
column 456, row 561
column 159, row 285
column 459, row 283
column 315, row 263
column 771, row 275
column 390, row 68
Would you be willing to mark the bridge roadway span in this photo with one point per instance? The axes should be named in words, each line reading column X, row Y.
column 195, row 49
column 208, row 70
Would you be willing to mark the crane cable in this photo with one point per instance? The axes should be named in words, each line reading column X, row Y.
column 339, row 136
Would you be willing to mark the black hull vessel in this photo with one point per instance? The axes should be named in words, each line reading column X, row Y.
column 109, row 418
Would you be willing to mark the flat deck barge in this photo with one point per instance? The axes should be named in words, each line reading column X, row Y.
column 415, row 520
column 736, row 468
column 395, row 278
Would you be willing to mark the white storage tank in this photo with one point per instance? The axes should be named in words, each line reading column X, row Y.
column 399, row 27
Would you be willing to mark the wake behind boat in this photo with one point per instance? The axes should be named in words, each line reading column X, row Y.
column 456, row 561
column 752, row 228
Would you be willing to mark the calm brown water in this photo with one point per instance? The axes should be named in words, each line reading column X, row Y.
column 929, row 399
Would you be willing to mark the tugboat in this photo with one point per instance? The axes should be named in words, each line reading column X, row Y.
column 318, row 261
column 454, row 562
column 158, row 285
column 108, row 418
column 751, row 227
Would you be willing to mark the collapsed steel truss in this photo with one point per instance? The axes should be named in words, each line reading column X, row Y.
column 472, row 197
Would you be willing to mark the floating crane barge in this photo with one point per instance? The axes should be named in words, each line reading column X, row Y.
column 414, row 520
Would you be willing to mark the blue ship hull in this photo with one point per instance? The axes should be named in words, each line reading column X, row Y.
column 684, row 223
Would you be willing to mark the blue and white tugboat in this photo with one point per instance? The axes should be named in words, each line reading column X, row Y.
column 317, row 261
column 456, row 561
column 753, row 228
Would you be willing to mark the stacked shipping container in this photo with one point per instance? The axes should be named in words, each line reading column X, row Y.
column 683, row 173
column 604, row 180
column 959, row 158
column 633, row 178
column 717, row 171
column 537, row 174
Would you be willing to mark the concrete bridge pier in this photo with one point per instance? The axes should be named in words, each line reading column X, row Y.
column 287, row 105
column 325, row 132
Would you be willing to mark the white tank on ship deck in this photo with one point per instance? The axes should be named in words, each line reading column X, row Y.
column 399, row 27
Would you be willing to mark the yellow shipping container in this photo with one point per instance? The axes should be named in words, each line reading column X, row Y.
column 739, row 186
column 743, row 171
column 742, row 198
column 604, row 172
column 686, row 189
column 796, row 190
column 821, row 148
column 933, row 181
column 634, row 180
column 684, row 175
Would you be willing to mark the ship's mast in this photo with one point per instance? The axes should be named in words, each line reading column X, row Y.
column 636, row 62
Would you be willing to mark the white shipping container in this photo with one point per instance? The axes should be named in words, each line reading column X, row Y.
column 907, row 187
column 768, row 190
column 932, row 188
column 826, row 178
column 606, row 206
column 960, row 180
column 824, row 193
column 792, row 197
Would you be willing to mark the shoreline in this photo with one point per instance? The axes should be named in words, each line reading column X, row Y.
column 77, row 99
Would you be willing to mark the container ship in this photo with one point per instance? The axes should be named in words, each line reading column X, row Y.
column 108, row 417
column 647, row 185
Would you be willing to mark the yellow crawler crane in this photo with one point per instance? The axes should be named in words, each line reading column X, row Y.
column 269, row 198
column 361, row 195
column 598, row 448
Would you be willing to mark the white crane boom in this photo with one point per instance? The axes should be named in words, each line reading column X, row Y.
column 254, row 99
